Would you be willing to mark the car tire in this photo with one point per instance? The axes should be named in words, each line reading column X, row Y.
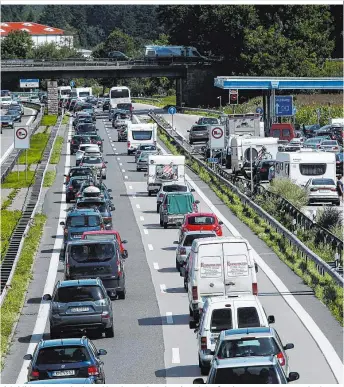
column 177, row 265
column 138, row 169
column 121, row 295
column 149, row 193
column 158, row 208
column 337, row 203
column 67, row 200
column 165, row 225
column 129, row 153
column 161, row 222
column 190, row 312
column 54, row 334
column 204, row 370
column 109, row 332
column 104, row 177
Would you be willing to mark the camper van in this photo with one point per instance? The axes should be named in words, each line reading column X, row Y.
column 82, row 92
column 305, row 164
column 219, row 266
column 245, row 124
column 241, row 150
column 163, row 169
column 141, row 134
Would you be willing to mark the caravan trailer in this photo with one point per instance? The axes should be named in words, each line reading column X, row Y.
column 305, row 164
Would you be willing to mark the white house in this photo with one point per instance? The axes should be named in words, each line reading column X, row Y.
column 40, row 33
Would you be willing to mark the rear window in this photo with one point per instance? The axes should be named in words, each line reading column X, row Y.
column 221, row 319
column 195, row 220
column 92, row 160
column 261, row 346
column 285, row 132
column 248, row 317
column 210, row 121
column 79, row 294
column 313, row 169
column 77, row 221
column 97, row 252
column 62, row 355
column 323, row 182
column 175, row 188
column 276, row 133
column 142, row 135
column 190, row 238
column 248, row 375
column 199, row 129
column 100, row 237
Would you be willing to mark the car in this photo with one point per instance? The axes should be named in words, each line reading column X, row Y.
column 248, row 370
column 329, row 145
column 85, row 127
column 120, row 121
column 64, row 381
column 314, row 142
column 198, row 133
column 75, row 357
column 142, row 161
column 104, row 192
column 122, row 134
column 5, row 101
column 73, row 187
column 261, row 170
column 15, row 105
column 106, row 105
column 205, row 221
column 76, row 141
column 15, row 114
column 207, row 121
column 171, row 187
column 86, row 148
column 309, row 130
column 339, row 163
column 322, row 190
column 96, row 162
column 79, row 171
column 105, row 235
column 144, row 147
column 79, row 306
column 184, row 244
column 7, row 121
column 101, row 204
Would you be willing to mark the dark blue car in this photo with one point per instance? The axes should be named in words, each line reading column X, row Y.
column 101, row 204
column 64, row 381
column 66, row 358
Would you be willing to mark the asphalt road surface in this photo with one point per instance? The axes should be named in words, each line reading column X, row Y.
column 153, row 343
column 7, row 136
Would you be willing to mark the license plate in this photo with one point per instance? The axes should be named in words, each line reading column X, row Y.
column 82, row 309
column 323, row 191
column 77, row 236
column 64, row 373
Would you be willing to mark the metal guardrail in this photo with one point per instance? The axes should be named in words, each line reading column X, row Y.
column 294, row 242
column 10, row 260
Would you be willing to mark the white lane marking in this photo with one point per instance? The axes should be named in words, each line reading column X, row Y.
column 169, row 318
column 156, row 265
column 114, row 148
column 163, row 288
column 123, row 170
column 120, row 164
column 150, row 247
column 175, row 356
column 110, row 137
column 126, row 177
column 118, row 158
column 145, row 231
column 44, row 308
column 138, row 206
column 116, row 153
column 130, row 187
column 142, row 218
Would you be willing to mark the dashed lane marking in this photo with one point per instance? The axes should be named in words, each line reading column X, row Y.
column 142, row 218
column 163, row 288
column 138, row 206
column 156, row 265
column 130, row 187
column 150, row 247
column 175, row 356
column 126, row 177
column 145, row 231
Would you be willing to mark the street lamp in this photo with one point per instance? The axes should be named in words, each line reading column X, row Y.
column 220, row 101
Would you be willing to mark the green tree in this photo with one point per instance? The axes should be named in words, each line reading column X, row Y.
column 52, row 51
column 116, row 41
column 17, row 44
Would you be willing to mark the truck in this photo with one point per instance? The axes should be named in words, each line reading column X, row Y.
column 170, row 53
column 81, row 92
column 162, row 169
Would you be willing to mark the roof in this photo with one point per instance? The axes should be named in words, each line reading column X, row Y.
column 31, row 28
column 201, row 214
column 82, row 282
column 82, row 211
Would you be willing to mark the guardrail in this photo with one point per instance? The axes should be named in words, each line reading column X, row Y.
column 322, row 266
column 148, row 99
column 11, row 258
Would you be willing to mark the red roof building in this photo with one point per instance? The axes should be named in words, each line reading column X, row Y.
column 40, row 33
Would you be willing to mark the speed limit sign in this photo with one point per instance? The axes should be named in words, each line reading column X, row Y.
column 21, row 138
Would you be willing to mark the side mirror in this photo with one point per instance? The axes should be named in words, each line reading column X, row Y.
column 145, row 175
column 197, row 201
column 46, row 297
column 271, row 319
column 62, row 223
column 200, row 381
column 125, row 254
column 113, row 208
column 102, row 352
column 175, row 242
column 220, row 222
column 109, row 190
column 288, row 346
column 293, row 376
column 29, row 357
column 124, row 241
column 256, row 267
column 106, row 162
column 193, row 324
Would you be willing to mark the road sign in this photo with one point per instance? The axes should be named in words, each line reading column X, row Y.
column 29, row 83
column 294, row 110
column 21, row 139
column 259, row 110
column 283, row 105
column 172, row 110
column 71, row 83
column 217, row 138
column 213, row 160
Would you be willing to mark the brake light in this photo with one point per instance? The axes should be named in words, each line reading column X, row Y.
column 93, row 370
column 119, row 268
column 35, row 374
column 194, row 293
column 105, row 315
column 281, row 358
column 99, row 142
column 255, row 288
column 70, row 188
column 263, row 169
column 107, row 219
column 128, row 144
column 80, row 164
column 204, row 343
column 334, row 189
column 182, row 250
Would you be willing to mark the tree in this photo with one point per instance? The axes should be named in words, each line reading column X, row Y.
column 116, row 41
column 52, row 51
column 17, row 44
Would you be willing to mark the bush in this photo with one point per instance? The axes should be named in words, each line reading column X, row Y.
column 288, row 190
column 49, row 120
column 329, row 217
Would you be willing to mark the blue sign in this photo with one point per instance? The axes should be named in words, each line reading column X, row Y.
column 283, row 105
column 259, row 110
column 172, row 110
column 29, row 83
column 213, row 160
column 294, row 110
column 72, row 84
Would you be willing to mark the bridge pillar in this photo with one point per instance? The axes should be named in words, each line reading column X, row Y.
column 53, row 103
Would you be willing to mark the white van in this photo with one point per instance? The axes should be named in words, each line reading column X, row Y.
column 219, row 267
column 83, row 92
column 163, row 169
column 241, row 150
column 222, row 313
column 305, row 164
column 141, row 134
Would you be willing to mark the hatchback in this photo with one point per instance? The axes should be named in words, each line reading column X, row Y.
column 73, row 187
column 198, row 133
column 76, row 141
column 322, row 190
column 7, row 121
column 144, row 147
column 96, row 162
column 205, row 221
column 79, row 306
column 79, row 171
column 102, row 206
column 66, row 358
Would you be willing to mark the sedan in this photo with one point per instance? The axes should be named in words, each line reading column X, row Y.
column 15, row 114
column 96, row 162
column 201, row 221
column 329, row 145
column 322, row 190
column 7, row 122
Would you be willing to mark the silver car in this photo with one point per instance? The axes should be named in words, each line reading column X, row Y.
column 80, row 305
column 142, row 162
column 142, row 148
column 96, row 162
column 184, row 245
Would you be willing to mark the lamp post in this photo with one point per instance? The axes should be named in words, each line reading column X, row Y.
column 220, row 101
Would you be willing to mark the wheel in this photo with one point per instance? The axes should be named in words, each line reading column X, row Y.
column 121, row 295
column 204, row 370
column 104, row 177
column 138, row 169
column 190, row 312
column 177, row 265
column 157, row 208
column 149, row 193
column 67, row 199
column 337, row 203
column 165, row 225
column 54, row 334
column 129, row 153
column 109, row 332
column 161, row 222
column 191, row 142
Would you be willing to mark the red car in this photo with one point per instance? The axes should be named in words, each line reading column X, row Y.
column 107, row 234
column 202, row 221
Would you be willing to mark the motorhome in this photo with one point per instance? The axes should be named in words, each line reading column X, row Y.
column 82, row 92
column 64, row 91
column 244, row 124
column 241, row 150
column 119, row 94
column 141, row 134
column 305, row 164
column 163, row 169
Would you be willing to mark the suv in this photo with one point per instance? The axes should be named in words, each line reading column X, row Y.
column 73, row 358
column 80, row 305
column 102, row 206
column 198, row 133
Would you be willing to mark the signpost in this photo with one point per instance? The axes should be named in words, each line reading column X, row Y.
column 172, row 110
column 22, row 141
column 71, row 83
column 29, row 83
column 283, row 105
column 259, row 110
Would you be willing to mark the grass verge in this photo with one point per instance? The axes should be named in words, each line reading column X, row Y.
column 16, row 294
column 324, row 287
column 9, row 220
column 9, row 199
column 65, row 120
column 49, row 178
column 38, row 143
column 12, row 181
column 49, row 120
column 56, row 154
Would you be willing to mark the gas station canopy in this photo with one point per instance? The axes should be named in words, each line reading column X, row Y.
column 283, row 83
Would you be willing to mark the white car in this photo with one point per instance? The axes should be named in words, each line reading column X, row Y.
column 5, row 101
column 96, row 162
column 171, row 187
column 330, row 145
column 322, row 190
column 94, row 148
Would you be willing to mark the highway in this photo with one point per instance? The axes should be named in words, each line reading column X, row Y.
column 153, row 343
column 7, row 136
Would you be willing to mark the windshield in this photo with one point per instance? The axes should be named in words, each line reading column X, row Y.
column 84, row 93
column 100, row 206
column 175, row 188
column 194, row 220
column 100, row 237
column 92, row 253
column 142, row 135
column 210, row 121
column 92, row 160
column 323, row 182
column 260, row 346
column 81, row 221
column 119, row 93
column 79, row 294
column 190, row 238
column 313, row 169
column 247, row 375
column 62, row 354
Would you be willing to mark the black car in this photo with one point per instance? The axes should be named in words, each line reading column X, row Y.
column 106, row 105
column 80, row 171
column 85, row 128
column 75, row 358
column 73, row 187
column 339, row 163
column 261, row 170
column 78, row 139
column 101, row 204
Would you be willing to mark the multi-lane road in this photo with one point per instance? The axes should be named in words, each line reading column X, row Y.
column 7, row 136
column 153, row 343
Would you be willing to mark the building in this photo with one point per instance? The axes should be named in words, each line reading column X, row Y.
column 40, row 34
